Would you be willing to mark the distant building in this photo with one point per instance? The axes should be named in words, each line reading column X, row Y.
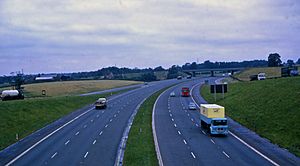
column 42, row 78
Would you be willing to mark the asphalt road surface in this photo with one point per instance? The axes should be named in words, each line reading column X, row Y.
column 181, row 141
column 90, row 137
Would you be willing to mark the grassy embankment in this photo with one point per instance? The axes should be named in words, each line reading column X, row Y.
column 23, row 117
column 269, row 107
column 271, row 72
column 140, row 149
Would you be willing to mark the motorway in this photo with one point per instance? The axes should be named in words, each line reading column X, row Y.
column 180, row 140
column 90, row 138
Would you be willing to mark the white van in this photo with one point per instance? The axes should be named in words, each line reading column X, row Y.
column 261, row 76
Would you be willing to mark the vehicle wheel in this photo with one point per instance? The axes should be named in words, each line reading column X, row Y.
column 202, row 124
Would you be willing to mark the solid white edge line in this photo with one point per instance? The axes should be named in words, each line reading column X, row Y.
column 158, row 154
column 252, row 148
column 34, row 145
column 122, row 144
column 259, row 153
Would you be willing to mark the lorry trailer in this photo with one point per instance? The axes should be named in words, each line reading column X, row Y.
column 11, row 95
column 213, row 118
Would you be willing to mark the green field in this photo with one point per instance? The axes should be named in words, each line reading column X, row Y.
column 63, row 88
column 140, row 149
column 23, row 117
column 269, row 107
column 270, row 72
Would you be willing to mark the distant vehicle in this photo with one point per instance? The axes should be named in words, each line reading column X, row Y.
column 11, row 95
column 172, row 94
column 261, row 76
column 294, row 73
column 185, row 92
column 213, row 118
column 189, row 77
column 145, row 83
column 289, row 71
column 253, row 77
column 192, row 106
column 179, row 77
column 101, row 103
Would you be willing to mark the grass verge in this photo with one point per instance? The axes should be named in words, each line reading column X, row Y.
column 23, row 117
column 269, row 107
column 270, row 72
column 140, row 148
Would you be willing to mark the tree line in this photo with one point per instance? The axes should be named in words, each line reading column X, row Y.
column 148, row 74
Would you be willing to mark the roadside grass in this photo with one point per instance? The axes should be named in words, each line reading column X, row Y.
column 269, row 107
column 63, row 88
column 23, row 117
column 270, row 72
column 140, row 149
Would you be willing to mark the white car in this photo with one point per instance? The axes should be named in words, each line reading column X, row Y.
column 172, row 94
column 192, row 106
column 101, row 103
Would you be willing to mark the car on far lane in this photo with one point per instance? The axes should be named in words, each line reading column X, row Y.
column 172, row 94
column 192, row 106
column 101, row 103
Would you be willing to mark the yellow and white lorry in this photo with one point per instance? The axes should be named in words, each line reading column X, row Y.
column 213, row 118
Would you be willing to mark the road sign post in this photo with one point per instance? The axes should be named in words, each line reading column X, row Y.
column 218, row 88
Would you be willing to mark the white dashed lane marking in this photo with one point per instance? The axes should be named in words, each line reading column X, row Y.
column 77, row 133
column 193, row 155
column 226, row 154
column 184, row 141
column 54, row 155
column 66, row 143
column 86, row 154
column 101, row 133
column 94, row 142
column 179, row 132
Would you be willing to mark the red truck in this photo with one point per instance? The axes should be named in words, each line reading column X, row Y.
column 185, row 92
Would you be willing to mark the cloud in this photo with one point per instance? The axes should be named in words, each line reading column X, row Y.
column 74, row 35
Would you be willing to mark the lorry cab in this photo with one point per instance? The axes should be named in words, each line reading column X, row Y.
column 219, row 126
column 101, row 103
column 185, row 92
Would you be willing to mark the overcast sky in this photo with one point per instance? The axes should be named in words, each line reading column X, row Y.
column 43, row 36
